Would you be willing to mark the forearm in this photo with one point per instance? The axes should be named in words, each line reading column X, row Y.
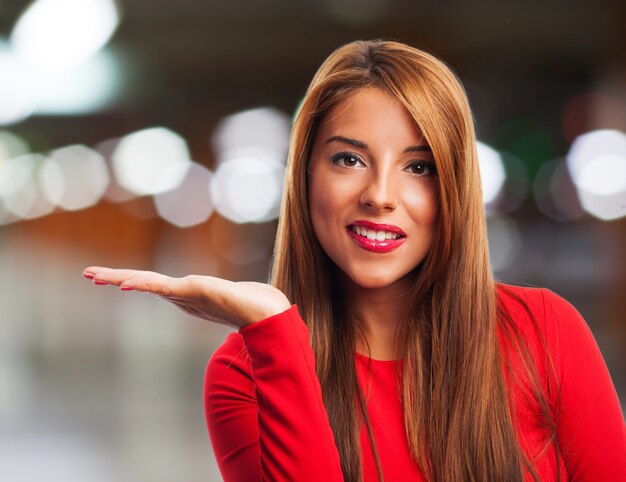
column 274, row 417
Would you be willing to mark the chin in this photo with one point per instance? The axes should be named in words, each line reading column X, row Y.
column 375, row 281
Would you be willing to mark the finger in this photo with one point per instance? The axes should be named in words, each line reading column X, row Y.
column 155, row 283
column 184, row 289
column 102, row 275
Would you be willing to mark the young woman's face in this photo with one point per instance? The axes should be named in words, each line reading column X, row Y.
column 373, row 192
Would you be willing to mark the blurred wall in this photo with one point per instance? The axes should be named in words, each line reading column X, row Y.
column 98, row 385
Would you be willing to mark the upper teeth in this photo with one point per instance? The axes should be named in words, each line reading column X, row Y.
column 374, row 235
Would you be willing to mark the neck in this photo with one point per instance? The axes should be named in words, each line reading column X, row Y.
column 377, row 312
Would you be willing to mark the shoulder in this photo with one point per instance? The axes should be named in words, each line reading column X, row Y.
column 521, row 317
column 533, row 297
column 541, row 313
column 514, row 297
column 541, row 303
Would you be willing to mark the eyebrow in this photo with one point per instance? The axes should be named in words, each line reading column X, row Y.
column 363, row 145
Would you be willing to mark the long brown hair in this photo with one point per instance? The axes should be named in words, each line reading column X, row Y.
column 456, row 413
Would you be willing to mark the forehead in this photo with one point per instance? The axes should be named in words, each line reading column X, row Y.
column 374, row 114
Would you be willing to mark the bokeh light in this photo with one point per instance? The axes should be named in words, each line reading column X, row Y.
column 606, row 208
column 141, row 158
column 492, row 172
column 85, row 88
column 604, row 175
column 597, row 164
column 263, row 131
column 251, row 148
column 554, row 192
column 248, row 189
column 20, row 191
column 593, row 145
column 190, row 202
column 11, row 145
column 58, row 34
column 115, row 193
column 74, row 177
column 17, row 99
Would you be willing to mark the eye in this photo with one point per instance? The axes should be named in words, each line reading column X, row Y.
column 423, row 168
column 347, row 159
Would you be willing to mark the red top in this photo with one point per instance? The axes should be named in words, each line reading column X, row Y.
column 267, row 421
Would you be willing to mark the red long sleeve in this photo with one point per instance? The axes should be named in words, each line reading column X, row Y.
column 592, row 434
column 590, row 426
column 265, row 414
column 267, row 421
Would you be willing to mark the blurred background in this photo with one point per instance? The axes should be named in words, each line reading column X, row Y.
column 153, row 134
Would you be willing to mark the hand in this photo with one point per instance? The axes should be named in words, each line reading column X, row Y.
column 214, row 299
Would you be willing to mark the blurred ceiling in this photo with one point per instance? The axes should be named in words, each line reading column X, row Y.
column 193, row 61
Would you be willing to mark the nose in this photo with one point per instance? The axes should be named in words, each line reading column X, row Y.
column 380, row 194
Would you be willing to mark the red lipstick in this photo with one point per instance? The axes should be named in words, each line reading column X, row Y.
column 379, row 227
column 377, row 246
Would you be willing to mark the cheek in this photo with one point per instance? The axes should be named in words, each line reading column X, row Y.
column 316, row 196
column 320, row 205
column 422, row 204
column 328, row 195
column 319, row 212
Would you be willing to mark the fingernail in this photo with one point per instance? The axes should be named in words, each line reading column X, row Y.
column 88, row 275
column 126, row 288
column 98, row 282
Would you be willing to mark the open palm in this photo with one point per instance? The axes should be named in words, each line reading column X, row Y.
column 235, row 304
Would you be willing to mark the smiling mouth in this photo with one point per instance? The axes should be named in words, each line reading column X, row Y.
column 382, row 240
column 373, row 234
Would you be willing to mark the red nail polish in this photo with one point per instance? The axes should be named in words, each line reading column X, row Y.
column 126, row 288
column 88, row 275
column 100, row 282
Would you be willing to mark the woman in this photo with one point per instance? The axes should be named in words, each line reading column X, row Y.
column 384, row 349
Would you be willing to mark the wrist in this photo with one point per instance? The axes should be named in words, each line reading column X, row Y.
column 270, row 312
